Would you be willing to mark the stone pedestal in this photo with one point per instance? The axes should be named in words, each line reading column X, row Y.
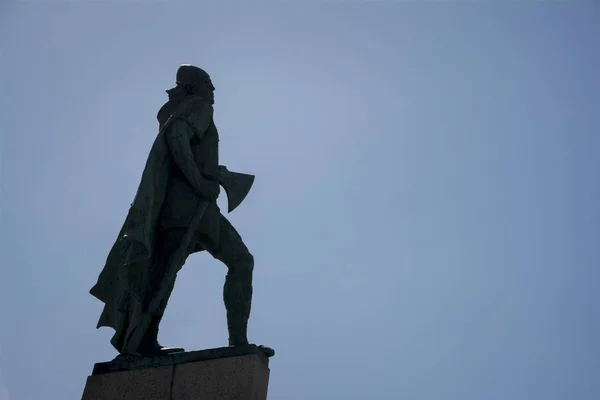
column 238, row 373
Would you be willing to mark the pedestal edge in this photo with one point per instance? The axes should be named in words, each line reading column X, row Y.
column 133, row 363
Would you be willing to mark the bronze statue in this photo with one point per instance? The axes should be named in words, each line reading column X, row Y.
column 173, row 215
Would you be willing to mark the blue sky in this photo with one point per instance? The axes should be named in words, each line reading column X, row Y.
column 425, row 216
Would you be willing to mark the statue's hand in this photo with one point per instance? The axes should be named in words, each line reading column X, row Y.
column 211, row 173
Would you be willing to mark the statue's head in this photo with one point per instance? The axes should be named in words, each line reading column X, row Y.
column 192, row 80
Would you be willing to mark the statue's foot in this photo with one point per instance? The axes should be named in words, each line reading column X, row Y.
column 235, row 341
column 268, row 352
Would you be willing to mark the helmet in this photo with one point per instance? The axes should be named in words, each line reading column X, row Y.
column 189, row 74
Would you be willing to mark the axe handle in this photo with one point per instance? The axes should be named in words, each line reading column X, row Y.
column 135, row 339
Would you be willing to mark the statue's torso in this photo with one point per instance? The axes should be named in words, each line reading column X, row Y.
column 182, row 201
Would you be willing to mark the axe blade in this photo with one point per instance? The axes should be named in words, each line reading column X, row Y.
column 236, row 185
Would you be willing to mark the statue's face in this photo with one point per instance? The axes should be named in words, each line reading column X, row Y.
column 207, row 90
column 204, row 86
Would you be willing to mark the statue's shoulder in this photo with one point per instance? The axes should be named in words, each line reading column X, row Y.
column 195, row 107
column 198, row 114
column 195, row 111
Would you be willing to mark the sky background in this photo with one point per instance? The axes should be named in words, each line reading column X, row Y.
column 425, row 218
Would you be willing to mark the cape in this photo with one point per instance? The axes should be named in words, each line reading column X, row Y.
column 124, row 283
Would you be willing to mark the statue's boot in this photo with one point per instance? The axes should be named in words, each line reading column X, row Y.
column 150, row 346
column 237, row 295
column 237, row 333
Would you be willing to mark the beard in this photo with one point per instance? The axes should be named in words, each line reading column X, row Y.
column 208, row 96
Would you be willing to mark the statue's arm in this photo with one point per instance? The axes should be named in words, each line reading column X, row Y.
column 178, row 141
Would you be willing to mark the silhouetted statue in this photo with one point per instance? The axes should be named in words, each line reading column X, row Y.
column 173, row 215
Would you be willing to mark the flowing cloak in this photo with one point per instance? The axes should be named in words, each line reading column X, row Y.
column 124, row 283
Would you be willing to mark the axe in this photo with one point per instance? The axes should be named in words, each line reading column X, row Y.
column 236, row 185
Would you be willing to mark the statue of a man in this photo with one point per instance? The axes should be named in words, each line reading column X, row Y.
column 173, row 215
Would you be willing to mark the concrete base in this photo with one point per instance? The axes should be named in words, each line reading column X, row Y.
column 239, row 373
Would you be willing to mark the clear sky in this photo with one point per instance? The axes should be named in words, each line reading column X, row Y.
column 425, row 216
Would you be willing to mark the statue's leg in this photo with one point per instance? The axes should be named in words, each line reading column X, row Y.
column 237, row 292
column 168, row 242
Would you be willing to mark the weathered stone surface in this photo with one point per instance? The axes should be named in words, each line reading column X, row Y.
column 244, row 377
column 228, row 373
column 141, row 384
